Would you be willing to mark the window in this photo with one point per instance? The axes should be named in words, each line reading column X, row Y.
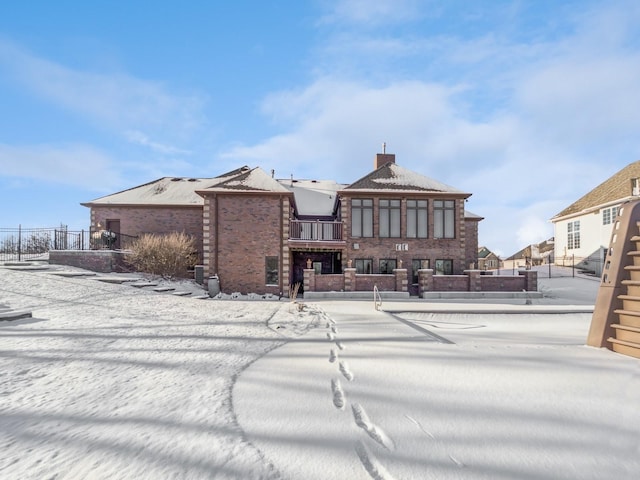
column 609, row 215
column 417, row 264
column 362, row 217
column 389, row 218
column 387, row 265
column 444, row 221
column 417, row 219
column 573, row 235
column 271, row 270
column 317, row 268
column 444, row 267
column 363, row 265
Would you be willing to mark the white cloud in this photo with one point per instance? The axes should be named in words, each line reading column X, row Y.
column 379, row 12
column 116, row 101
column 137, row 137
column 73, row 164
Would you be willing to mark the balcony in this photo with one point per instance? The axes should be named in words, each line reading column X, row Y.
column 315, row 231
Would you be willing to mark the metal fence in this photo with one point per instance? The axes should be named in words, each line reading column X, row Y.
column 17, row 244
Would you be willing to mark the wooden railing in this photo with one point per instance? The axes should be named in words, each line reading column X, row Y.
column 315, row 231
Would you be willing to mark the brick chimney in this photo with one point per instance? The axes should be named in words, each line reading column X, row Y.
column 382, row 159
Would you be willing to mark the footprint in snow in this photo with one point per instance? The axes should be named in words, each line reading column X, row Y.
column 338, row 393
column 332, row 355
column 344, row 369
column 375, row 432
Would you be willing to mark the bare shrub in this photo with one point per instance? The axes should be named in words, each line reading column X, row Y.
column 170, row 255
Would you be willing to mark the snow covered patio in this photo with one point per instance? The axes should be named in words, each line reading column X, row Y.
column 109, row 381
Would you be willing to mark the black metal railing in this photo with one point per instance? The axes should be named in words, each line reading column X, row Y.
column 18, row 244
column 315, row 230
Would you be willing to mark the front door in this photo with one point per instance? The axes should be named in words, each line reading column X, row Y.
column 114, row 227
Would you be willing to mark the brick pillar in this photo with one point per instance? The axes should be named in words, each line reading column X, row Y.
column 349, row 279
column 425, row 280
column 530, row 280
column 475, row 284
column 401, row 279
column 309, row 280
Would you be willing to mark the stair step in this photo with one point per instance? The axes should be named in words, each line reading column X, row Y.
column 628, row 318
column 626, row 348
column 626, row 333
column 630, row 302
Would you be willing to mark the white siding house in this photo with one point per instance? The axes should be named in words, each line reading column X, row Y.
column 582, row 231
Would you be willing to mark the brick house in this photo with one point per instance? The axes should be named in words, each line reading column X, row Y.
column 259, row 234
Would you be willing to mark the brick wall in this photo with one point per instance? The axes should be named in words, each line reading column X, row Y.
column 495, row 283
column 244, row 229
column 450, row 283
column 148, row 219
column 103, row 261
column 471, row 244
column 329, row 283
column 385, row 283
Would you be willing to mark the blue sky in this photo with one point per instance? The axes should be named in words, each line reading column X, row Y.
column 528, row 105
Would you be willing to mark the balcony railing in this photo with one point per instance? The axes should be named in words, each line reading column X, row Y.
column 315, row 231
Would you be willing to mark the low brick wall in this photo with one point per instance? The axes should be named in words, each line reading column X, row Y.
column 103, row 261
column 329, row 283
column 471, row 281
column 450, row 283
column 385, row 283
column 496, row 283
column 474, row 281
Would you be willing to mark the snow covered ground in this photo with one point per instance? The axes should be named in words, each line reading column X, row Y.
column 112, row 381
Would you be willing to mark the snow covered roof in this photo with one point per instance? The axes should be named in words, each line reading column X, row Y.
column 254, row 179
column 313, row 197
column 393, row 177
column 164, row 191
column 472, row 216
column 614, row 189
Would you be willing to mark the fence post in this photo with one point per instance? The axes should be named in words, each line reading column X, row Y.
column 573, row 265
column 19, row 242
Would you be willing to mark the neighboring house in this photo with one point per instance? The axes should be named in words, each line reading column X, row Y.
column 532, row 255
column 487, row 260
column 583, row 229
column 258, row 234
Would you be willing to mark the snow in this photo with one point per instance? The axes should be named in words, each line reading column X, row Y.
column 113, row 381
column 164, row 191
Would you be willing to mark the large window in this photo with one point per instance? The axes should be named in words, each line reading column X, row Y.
column 573, row 235
column 444, row 221
column 389, row 218
column 387, row 265
column 364, row 265
column 417, row 219
column 444, row 267
column 362, row 217
column 271, row 270
column 417, row 264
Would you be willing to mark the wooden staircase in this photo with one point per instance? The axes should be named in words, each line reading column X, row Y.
column 616, row 317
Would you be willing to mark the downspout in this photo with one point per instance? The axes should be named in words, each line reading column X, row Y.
column 281, row 254
column 215, row 237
